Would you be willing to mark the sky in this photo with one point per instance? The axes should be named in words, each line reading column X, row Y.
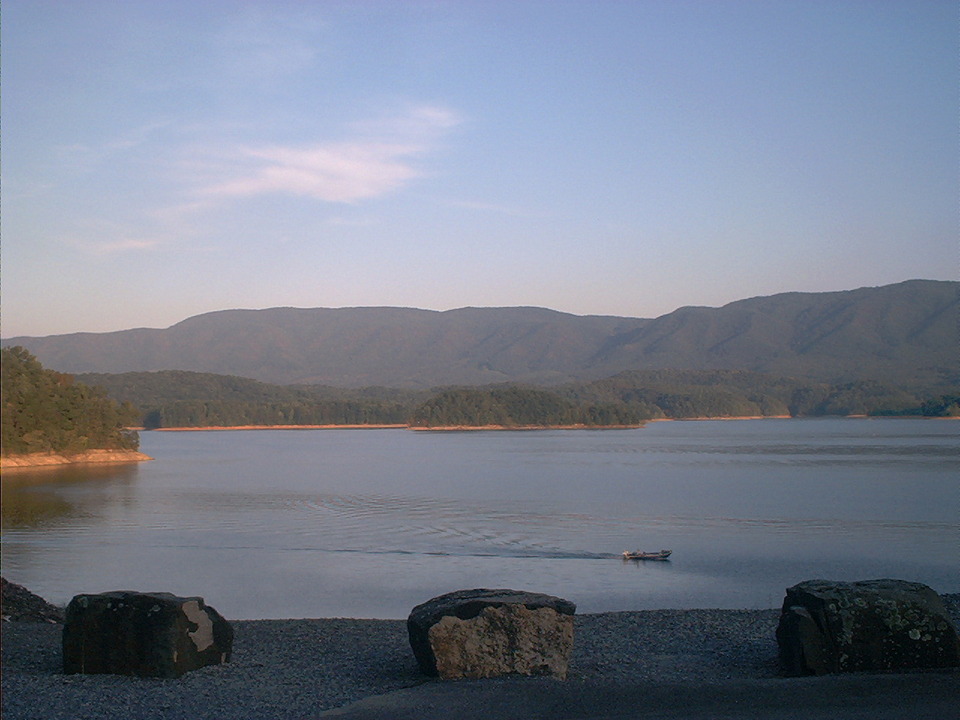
column 613, row 157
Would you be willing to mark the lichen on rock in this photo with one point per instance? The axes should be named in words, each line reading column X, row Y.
column 873, row 625
column 487, row 633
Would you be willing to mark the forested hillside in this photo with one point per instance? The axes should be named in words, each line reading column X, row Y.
column 186, row 399
column 47, row 411
column 733, row 393
column 873, row 351
column 512, row 406
column 903, row 335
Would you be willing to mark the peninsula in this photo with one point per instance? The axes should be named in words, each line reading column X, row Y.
column 48, row 419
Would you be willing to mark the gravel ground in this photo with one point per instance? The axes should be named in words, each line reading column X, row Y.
column 301, row 668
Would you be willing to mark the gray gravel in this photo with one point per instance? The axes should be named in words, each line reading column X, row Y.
column 301, row 668
column 280, row 669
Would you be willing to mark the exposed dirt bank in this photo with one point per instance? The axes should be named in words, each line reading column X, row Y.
column 36, row 460
column 277, row 427
column 392, row 427
column 447, row 428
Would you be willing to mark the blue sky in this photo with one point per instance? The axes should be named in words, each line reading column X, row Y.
column 163, row 159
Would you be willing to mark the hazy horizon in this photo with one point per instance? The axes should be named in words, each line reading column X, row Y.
column 164, row 160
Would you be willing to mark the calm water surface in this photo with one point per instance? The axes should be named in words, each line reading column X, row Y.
column 369, row 523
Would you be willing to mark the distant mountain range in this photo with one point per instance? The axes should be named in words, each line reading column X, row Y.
column 904, row 333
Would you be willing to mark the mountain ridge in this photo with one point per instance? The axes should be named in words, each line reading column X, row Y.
column 904, row 330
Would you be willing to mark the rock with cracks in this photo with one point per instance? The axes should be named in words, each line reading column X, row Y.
column 487, row 633
column 143, row 634
column 868, row 626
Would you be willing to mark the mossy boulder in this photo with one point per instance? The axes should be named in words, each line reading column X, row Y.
column 868, row 626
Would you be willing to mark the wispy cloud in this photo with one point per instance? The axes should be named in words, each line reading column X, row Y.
column 339, row 172
column 380, row 158
column 142, row 232
column 376, row 157
column 416, row 121
column 118, row 243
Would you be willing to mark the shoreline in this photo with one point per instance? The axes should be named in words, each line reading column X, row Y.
column 481, row 428
column 399, row 426
column 218, row 428
column 522, row 428
column 702, row 418
column 32, row 461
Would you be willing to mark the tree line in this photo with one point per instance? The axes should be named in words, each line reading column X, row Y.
column 47, row 411
column 213, row 413
column 175, row 398
column 658, row 394
column 513, row 406
column 190, row 399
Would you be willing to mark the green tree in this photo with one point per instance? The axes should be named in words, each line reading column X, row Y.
column 46, row 411
column 513, row 406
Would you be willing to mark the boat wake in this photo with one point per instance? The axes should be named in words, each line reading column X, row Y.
column 520, row 555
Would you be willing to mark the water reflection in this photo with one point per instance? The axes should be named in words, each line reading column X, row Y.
column 23, row 509
column 49, row 496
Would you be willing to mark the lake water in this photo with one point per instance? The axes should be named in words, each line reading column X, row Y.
column 369, row 523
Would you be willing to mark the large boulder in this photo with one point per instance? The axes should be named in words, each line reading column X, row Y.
column 144, row 634
column 867, row 626
column 486, row 633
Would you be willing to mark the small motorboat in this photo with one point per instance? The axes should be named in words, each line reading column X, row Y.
column 640, row 555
